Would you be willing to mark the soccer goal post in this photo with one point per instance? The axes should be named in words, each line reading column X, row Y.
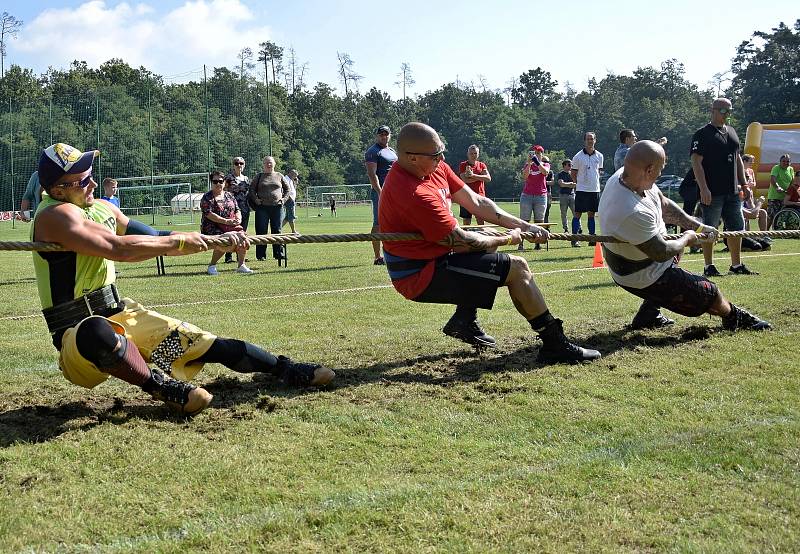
column 163, row 204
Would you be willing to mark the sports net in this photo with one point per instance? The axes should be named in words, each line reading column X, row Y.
column 161, row 205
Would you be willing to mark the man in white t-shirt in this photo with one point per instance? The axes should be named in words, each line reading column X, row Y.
column 586, row 167
column 291, row 178
column 633, row 210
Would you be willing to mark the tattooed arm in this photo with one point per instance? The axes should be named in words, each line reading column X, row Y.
column 485, row 209
column 675, row 215
column 662, row 250
column 461, row 240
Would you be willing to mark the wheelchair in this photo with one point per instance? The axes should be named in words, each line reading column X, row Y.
column 787, row 219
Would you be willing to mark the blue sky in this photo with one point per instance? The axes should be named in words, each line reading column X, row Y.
column 442, row 41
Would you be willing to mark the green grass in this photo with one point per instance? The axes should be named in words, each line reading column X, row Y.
column 681, row 440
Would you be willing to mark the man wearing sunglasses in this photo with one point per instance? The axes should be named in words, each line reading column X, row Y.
column 97, row 333
column 718, row 169
column 454, row 266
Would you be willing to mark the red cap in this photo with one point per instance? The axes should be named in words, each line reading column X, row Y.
column 538, row 148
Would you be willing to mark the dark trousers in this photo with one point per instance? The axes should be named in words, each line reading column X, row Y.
column 269, row 215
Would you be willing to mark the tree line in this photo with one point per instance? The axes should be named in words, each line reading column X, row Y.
column 141, row 122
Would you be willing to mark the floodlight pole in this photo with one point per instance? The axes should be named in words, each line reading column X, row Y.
column 269, row 115
column 97, row 116
column 11, row 145
column 208, row 123
column 150, row 141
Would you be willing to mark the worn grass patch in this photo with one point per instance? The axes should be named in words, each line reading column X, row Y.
column 678, row 440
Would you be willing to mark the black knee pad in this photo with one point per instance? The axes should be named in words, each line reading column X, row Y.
column 240, row 356
column 97, row 341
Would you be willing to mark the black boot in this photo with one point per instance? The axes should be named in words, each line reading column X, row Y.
column 182, row 397
column 469, row 331
column 299, row 374
column 740, row 319
column 649, row 317
column 557, row 348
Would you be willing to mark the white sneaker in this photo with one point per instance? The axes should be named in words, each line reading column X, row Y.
column 212, row 270
column 244, row 269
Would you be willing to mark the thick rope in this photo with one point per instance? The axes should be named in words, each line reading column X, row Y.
column 387, row 237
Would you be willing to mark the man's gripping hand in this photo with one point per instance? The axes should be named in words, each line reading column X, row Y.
column 540, row 233
column 712, row 234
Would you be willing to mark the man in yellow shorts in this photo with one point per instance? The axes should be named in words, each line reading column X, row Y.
column 99, row 334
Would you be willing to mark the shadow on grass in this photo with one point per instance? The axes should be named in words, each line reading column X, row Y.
column 232, row 271
column 233, row 392
column 21, row 281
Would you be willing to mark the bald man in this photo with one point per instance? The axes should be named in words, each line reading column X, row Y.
column 633, row 210
column 454, row 266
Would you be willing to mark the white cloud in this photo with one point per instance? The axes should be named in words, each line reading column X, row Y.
column 198, row 32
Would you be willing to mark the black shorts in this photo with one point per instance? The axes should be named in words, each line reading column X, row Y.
column 463, row 212
column 586, row 201
column 470, row 279
column 680, row 291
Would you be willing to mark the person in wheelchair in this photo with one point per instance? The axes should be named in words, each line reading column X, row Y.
column 788, row 218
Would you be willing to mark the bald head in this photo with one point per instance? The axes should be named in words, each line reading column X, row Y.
column 417, row 146
column 643, row 164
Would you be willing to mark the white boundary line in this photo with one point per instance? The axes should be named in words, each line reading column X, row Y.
column 362, row 289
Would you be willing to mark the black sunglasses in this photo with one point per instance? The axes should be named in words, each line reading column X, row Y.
column 435, row 155
column 239, row 163
column 83, row 183
column 217, row 181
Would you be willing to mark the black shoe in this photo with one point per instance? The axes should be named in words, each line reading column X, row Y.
column 741, row 270
column 228, row 259
column 695, row 249
column 591, row 243
column 299, row 374
column 379, row 261
column 469, row 332
column 537, row 247
column 660, row 320
column 575, row 244
column 740, row 319
column 764, row 244
column 558, row 349
column 711, row 271
column 750, row 245
column 178, row 395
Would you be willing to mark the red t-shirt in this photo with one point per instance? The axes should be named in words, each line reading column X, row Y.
column 794, row 193
column 536, row 183
column 413, row 205
column 478, row 169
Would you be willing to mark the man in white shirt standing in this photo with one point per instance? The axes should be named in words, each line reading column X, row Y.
column 586, row 167
column 291, row 178
column 633, row 210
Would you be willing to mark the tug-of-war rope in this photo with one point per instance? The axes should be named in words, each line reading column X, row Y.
column 386, row 237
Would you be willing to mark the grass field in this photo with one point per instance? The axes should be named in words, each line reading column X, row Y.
column 680, row 440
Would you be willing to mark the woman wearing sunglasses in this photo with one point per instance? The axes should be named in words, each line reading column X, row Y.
column 221, row 214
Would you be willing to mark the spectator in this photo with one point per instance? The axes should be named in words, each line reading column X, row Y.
column 534, row 193
column 780, row 178
column 332, row 204
column 549, row 183
column 627, row 138
column 110, row 187
column 239, row 186
column 31, row 198
column 566, row 195
column 586, row 167
column 268, row 193
column 718, row 169
column 475, row 174
column 221, row 215
column 378, row 159
column 792, row 198
column 635, row 211
column 751, row 207
column 292, row 178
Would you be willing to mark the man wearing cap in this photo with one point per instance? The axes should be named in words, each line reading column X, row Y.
column 586, row 167
column 378, row 159
column 635, row 211
column 97, row 333
column 454, row 266
column 238, row 184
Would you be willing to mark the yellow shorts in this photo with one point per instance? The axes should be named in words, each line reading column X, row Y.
column 170, row 344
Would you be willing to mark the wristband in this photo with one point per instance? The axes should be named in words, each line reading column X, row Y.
column 508, row 242
column 181, row 242
column 699, row 229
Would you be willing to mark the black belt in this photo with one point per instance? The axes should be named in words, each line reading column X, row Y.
column 622, row 265
column 104, row 302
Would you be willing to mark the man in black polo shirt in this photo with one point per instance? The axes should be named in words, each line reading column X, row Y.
column 718, row 169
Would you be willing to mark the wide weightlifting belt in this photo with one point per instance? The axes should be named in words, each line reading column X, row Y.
column 103, row 302
column 622, row 265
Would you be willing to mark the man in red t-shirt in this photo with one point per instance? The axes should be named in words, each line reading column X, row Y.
column 475, row 174
column 454, row 266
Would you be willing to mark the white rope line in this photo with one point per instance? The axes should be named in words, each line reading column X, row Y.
column 361, row 289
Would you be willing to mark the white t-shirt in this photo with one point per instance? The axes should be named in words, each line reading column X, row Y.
column 635, row 219
column 588, row 168
column 290, row 185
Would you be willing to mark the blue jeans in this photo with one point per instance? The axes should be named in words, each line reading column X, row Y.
column 269, row 215
column 727, row 206
column 535, row 203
